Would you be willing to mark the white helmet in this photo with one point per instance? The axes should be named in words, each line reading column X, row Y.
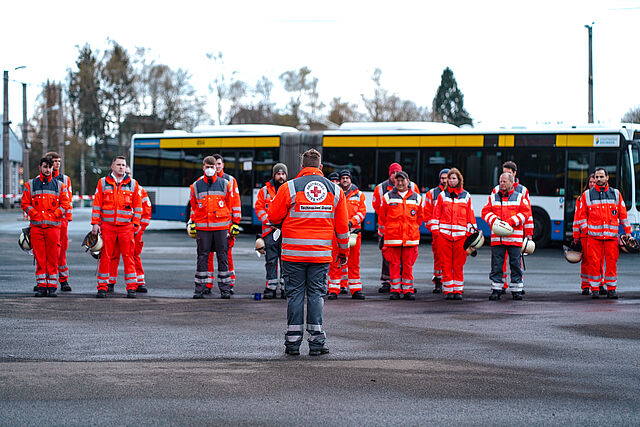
column 528, row 246
column 24, row 240
column 92, row 243
column 573, row 255
column 260, row 249
column 353, row 239
column 501, row 228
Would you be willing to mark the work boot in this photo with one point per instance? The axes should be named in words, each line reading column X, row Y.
column 602, row 290
column 516, row 296
column 385, row 288
column 131, row 293
column 612, row 294
column 51, row 293
column 495, row 295
column 503, row 291
column 317, row 351
column 586, row 291
column 225, row 295
column 41, row 291
column 64, row 286
column 142, row 289
column 343, row 291
column 357, row 295
column 438, row 288
column 449, row 295
column 198, row 295
column 409, row 296
column 394, row 296
column 268, row 293
column 231, row 291
column 595, row 295
column 522, row 292
column 457, row 297
column 292, row 351
column 35, row 288
column 101, row 293
column 332, row 295
column 206, row 291
column 110, row 287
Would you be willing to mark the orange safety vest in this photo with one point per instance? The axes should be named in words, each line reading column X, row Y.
column 211, row 201
column 601, row 213
column 235, row 204
column 147, row 209
column 430, row 200
column 45, row 200
column 356, row 208
column 312, row 210
column 265, row 195
column 400, row 218
column 513, row 208
column 519, row 188
column 117, row 203
column 67, row 182
column 453, row 215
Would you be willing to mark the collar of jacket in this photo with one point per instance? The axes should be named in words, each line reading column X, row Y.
column 510, row 192
column 309, row 171
column 409, row 192
column 352, row 188
column 455, row 191
column 220, row 174
column 442, row 187
column 603, row 188
column 125, row 179
column 209, row 179
column 55, row 173
column 44, row 178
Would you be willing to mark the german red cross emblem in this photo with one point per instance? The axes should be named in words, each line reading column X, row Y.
column 315, row 191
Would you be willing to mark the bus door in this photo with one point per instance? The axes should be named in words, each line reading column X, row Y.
column 408, row 159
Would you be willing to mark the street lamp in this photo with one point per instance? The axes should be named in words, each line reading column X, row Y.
column 6, row 163
column 590, row 29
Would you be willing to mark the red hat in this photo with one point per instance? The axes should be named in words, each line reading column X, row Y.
column 394, row 167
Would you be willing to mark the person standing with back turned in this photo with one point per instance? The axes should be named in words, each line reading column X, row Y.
column 311, row 210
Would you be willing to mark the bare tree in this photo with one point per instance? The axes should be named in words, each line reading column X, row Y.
column 632, row 116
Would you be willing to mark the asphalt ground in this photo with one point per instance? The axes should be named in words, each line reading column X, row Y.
column 554, row 358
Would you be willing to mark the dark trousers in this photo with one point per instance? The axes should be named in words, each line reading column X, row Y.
column 498, row 254
column 302, row 278
column 212, row 241
column 384, row 274
column 272, row 255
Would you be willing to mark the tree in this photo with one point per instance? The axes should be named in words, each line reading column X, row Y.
column 88, row 94
column 296, row 81
column 263, row 88
column 118, row 87
column 383, row 107
column 448, row 103
column 342, row 112
column 632, row 116
column 375, row 105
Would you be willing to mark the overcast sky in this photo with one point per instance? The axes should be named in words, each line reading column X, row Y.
column 515, row 62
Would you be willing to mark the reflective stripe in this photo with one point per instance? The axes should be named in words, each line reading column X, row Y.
column 392, row 242
column 307, row 242
column 295, row 328
column 312, row 254
column 108, row 212
column 342, row 236
column 127, row 213
column 314, row 328
column 327, row 215
column 292, row 192
column 413, row 242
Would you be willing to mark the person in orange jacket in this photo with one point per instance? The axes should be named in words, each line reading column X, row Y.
column 582, row 236
column 63, row 268
column 311, row 210
column 212, row 199
column 336, row 271
column 356, row 211
column 236, row 216
column 512, row 207
column 401, row 214
column 45, row 201
column 430, row 200
column 453, row 221
column 270, row 234
column 603, row 210
column 145, row 220
column 116, row 214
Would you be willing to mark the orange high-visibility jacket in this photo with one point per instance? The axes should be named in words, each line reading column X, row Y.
column 117, row 203
column 312, row 210
column 577, row 232
column 236, row 208
column 400, row 218
column 378, row 193
column 45, row 200
column 453, row 216
column 211, row 202
column 519, row 188
column 145, row 220
column 602, row 212
column 265, row 195
column 67, row 182
column 356, row 208
column 513, row 208
column 430, row 200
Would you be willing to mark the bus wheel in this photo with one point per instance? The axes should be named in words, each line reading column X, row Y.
column 541, row 228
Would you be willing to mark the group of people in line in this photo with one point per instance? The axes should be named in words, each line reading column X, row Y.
column 311, row 232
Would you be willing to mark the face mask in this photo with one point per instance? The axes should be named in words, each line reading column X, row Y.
column 210, row 171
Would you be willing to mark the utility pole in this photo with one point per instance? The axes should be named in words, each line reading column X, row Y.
column 25, row 139
column 45, row 126
column 6, row 164
column 60, row 129
column 590, row 29
column 82, row 171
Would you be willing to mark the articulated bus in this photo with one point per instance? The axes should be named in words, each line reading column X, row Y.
column 553, row 163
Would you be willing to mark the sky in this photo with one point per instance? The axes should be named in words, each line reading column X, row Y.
column 517, row 63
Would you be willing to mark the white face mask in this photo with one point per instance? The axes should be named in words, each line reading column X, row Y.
column 210, row 171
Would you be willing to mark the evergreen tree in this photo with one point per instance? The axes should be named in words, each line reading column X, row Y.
column 448, row 104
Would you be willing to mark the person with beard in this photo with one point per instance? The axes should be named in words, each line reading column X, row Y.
column 270, row 234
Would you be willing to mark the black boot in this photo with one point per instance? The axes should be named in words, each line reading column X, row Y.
column 101, row 293
column 385, row 288
column 268, row 293
column 225, row 295
column 317, row 351
column 602, row 290
column 41, row 291
column 516, row 296
column 206, row 291
column 142, row 289
column 357, row 295
column 612, row 294
column 585, row 291
column 495, row 295
column 51, row 293
column 332, row 296
column 131, row 293
column 64, row 286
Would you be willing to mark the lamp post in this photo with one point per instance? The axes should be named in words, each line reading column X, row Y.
column 6, row 161
column 590, row 29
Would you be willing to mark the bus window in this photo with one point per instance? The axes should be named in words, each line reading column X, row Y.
column 577, row 178
column 263, row 161
column 541, row 171
column 192, row 166
column 170, row 173
column 636, row 167
column 360, row 161
column 433, row 161
column 609, row 161
column 146, row 161
column 480, row 168
column 385, row 158
column 245, row 181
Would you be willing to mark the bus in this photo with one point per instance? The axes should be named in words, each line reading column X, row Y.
column 553, row 163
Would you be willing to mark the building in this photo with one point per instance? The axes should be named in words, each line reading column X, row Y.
column 15, row 157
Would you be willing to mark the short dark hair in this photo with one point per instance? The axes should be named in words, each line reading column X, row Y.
column 119, row 158
column 218, row 157
column 53, row 155
column 209, row 160
column 601, row 169
column 510, row 165
column 311, row 158
column 46, row 160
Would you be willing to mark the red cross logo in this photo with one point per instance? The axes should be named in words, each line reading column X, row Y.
column 315, row 191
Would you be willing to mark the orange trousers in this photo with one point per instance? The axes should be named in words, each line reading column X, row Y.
column 120, row 237
column 115, row 261
column 63, row 268
column 347, row 276
column 602, row 253
column 45, row 242
column 453, row 259
column 401, row 260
